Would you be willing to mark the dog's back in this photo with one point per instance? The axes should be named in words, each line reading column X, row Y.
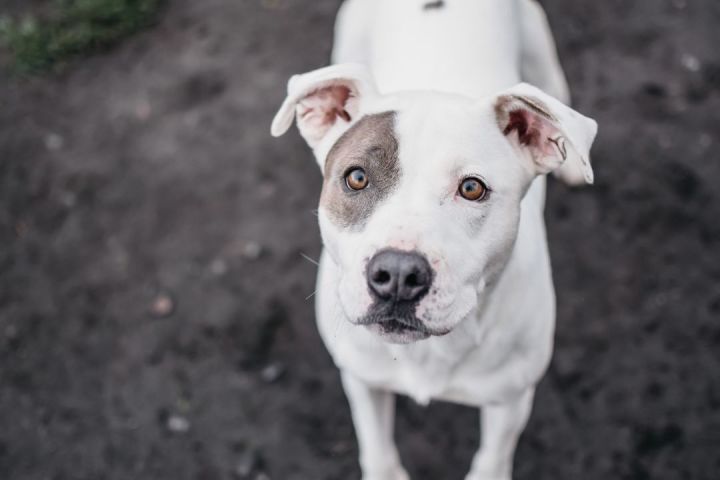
column 470, row 47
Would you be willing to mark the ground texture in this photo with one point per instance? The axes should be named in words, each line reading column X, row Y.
column 153, row 313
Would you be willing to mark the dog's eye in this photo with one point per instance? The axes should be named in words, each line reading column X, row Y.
column 472, row 189
column 356, row 179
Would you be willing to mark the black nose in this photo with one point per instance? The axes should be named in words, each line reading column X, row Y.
column 394, row 275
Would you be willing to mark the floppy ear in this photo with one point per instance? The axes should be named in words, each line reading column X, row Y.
column 323, row 100
column 549, row 131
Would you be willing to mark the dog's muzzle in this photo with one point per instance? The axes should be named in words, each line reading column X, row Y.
column 397, row 281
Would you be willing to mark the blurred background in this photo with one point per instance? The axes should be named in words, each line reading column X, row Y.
column 155, row 311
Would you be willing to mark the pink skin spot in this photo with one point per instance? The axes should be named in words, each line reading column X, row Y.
column 321, row 107
column 536, row 132
column 522, row 122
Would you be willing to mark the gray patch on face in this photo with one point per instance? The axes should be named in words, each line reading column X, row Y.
column 370, row 144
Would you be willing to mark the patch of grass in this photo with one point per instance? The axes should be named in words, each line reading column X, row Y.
column 73, row 27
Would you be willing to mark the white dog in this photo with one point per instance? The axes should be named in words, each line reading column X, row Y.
column 435, row 279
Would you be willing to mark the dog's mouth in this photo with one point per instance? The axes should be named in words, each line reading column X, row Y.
column 396, row 323
column 393, row 331
column 393, row 325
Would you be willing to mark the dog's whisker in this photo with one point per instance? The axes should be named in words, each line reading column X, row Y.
column 315, row 212
column 314, row 262
column 311, row 295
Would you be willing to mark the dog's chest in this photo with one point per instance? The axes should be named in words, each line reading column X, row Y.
column 423, row 371
column 426, row 370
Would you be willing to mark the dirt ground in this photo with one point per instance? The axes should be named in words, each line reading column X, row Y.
column 154, row 320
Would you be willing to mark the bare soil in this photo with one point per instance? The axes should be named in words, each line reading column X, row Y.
column 154, row 319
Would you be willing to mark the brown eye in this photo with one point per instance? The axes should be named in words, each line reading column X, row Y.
column 356, row 179
column 472, row 189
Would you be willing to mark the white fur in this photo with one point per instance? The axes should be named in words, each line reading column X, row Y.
column 492, row 304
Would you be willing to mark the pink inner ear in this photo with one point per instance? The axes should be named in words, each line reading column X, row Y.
column 533, row 131
column 320, row 109
column 524, row 124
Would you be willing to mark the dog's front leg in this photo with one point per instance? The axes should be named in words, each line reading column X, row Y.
column 373, row 413
column 502, row 425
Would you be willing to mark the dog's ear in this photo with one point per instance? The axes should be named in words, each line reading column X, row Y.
column 324, row 100
column 550, row 132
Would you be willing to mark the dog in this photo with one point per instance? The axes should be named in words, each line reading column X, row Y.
column 435, row 279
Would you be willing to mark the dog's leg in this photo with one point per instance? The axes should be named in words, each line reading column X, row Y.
column 540, row 66
column 502, row 425
column 373, row 413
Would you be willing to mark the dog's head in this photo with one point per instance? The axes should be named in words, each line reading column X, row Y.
column 420, row 204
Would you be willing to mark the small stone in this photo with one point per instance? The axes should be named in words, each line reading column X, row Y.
column 272, row 372
column 262, row 476
column 267, row 189
column 162, row 306
column 252, row 250
column 143, row 111
column 68, row 199
column 706, row 141
column 11, row 332
column 690, row 62
column 247, row 464
column 178, row 424
column 54, row 142
column 218, row 267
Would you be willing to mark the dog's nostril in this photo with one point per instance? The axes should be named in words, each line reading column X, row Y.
column 381, row 277
column 398, row 276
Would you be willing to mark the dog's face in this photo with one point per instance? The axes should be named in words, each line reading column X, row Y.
column 414, row 191
column 421, row 197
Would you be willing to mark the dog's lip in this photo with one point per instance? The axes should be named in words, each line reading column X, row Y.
column 403, row 336
column 397, row 321
column 393, row 325
column 391, row 319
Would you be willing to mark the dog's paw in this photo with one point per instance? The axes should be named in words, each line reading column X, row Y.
column 485, row 476
column 396, row 473
column 478, row 476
